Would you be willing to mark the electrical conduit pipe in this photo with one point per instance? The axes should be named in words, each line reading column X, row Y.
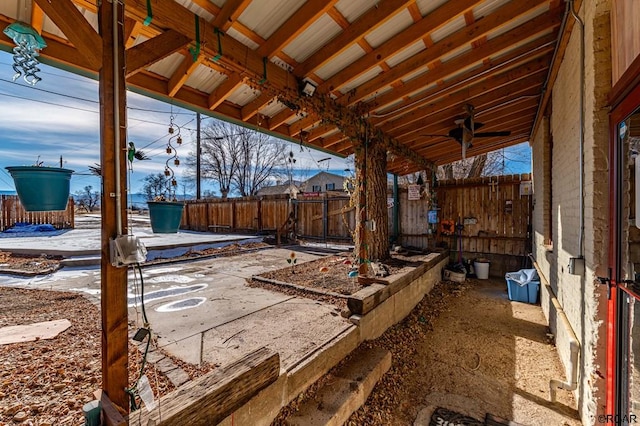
column 574, row 346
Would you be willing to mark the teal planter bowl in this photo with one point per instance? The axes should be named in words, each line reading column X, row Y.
column 165, row 216
column 41, row 188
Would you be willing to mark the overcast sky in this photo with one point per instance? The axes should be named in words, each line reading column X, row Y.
column 60, row 117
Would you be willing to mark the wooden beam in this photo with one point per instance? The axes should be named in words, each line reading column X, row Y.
column 529, row 50
column 252, row 108
column 37, row 18
column 303, row 123
column 458, row 39
column 209, row 399
column 434, row 20
column 295, row 25
column 144, row 54
column 182, row 73
column 282, row 117
column 230, row 11
column 131, row 27
column 74, row 25
column 208, row 6
column 227, row 87
column 113, row 288
column 375, row 17
column 529, row 74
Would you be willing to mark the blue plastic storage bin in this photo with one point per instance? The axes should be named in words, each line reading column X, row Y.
column 527, row 293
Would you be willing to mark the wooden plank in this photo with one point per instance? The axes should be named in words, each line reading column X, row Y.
column 209, row 399
column 77, row 29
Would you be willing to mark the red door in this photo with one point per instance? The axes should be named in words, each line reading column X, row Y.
column 623, row 328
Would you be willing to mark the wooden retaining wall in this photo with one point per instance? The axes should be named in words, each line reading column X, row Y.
column 12, row 212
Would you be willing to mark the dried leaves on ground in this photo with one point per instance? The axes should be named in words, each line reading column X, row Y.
column 26, row 264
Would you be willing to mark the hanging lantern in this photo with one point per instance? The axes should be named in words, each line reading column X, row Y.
column 28, row 43
column 176, row 161
column 168, row 150
column 179, row 140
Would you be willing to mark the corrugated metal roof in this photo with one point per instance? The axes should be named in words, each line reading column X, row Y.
column 242, row 38
column 487, row 7
column 353, row 9
column 351, row 54
column 455, row 53
column 242, row 95
column 311, row 39
column 205, row 79
column 517, row 21
column 406, row 53
column 390, row 28
column 448, row 29
column 195, row 9
column 428, row 6
column 361, row 79
column 272, row 109
column 414, row 74
column 167, row 66
column 265, row 24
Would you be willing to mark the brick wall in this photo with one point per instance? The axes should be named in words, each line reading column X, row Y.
column 581, row 298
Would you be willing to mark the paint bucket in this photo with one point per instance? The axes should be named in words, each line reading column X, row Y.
column 481, row 267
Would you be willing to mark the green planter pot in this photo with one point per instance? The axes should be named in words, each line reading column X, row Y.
column 165, row 216
column 41, row 188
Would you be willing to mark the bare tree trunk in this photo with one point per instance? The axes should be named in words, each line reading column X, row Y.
column 448, row 171
column 371, row 204
column 478, row 165
column 359, row 237
column 378, row 240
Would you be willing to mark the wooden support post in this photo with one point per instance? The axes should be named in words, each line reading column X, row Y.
column 114, row 178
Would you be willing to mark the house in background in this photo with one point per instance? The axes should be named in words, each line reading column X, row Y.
column 291, row 188
column 323, row 182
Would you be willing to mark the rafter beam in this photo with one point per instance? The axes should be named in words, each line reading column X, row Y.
column 74, row 25
column 37, row 18
column 534, row 48
column 434, row 20
column 223, row 91
column 144, row 54
column 531, row 73
column 295, row 25
column 369, row 21
column 182, row 73
column 458, row 39
column 230, row 11
column 252, row 108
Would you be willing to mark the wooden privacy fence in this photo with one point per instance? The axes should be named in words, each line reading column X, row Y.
column 495, row 214
column 494, row 211
column 247, row 214
column 12, row 212
column 326, row 218
column 319, row 217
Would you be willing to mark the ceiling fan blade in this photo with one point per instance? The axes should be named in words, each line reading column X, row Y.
column 491, row 134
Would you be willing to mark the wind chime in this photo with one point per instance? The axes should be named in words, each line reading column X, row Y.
column 172, row 184
column 28, row 43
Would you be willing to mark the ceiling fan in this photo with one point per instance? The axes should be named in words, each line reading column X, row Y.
column 466, row 130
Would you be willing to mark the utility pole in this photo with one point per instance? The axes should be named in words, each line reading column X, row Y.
column 198, row 192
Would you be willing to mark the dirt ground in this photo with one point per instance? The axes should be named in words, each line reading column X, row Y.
column 465, row 347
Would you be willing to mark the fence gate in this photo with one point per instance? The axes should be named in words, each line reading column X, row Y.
column 324, row 218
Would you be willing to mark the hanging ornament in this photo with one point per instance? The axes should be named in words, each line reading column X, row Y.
column 28, row 43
